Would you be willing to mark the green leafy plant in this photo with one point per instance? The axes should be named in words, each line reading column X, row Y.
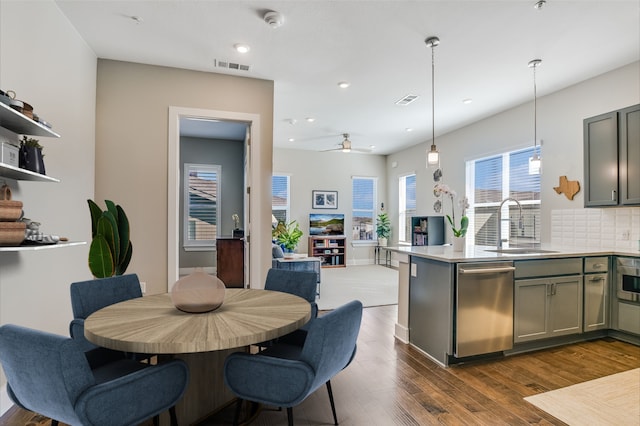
column 288, row 235
column 383, row 226
column 30, row 142
column 110, row 251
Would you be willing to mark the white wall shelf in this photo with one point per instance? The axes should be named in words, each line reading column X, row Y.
column 20, row 123
column 13, row 172
column 42, row 247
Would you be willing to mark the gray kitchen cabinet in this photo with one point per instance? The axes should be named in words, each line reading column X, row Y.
column 629, row 155
column 596, row 312
column 547, row 307
column 612, row 158
column 431, row 307
column 596, row 293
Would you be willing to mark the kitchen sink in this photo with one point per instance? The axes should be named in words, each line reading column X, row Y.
column 521, row 250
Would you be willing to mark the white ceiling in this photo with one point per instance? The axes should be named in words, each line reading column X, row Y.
column 377, row 46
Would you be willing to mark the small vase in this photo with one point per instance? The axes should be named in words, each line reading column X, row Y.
column 31, row 159
column 459, row 243
column 198, row 292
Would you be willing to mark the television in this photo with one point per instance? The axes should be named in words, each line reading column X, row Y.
column 326, row 224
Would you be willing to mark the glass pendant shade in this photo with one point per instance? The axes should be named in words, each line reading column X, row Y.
column 433, row 156
column 535, row 162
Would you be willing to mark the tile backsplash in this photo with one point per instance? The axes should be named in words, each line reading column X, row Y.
column 612, row 228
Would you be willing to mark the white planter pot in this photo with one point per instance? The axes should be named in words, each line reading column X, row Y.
column 459, row 243
column 382, row 242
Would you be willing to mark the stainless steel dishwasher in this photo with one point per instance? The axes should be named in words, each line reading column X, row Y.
column 484, row 308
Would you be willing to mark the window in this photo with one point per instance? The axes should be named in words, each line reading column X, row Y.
column 364, row 203
column 491, row 180
column 280, row 197
column 201, row 205
column 406, row 206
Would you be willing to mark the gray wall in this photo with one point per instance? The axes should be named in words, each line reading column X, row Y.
column 230, row 156
column 132, row 151
column 52, row 68
column 560, row 116
column 330, row 171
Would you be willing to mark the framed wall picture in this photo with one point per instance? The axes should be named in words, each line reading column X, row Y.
column 324, row 199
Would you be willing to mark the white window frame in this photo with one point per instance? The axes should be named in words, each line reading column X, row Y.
column 374, row 197
column 404, row 214
column 506, row 208
column 287, row 207
column 208, row 244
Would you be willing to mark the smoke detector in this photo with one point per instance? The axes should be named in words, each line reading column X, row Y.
column 274, row 19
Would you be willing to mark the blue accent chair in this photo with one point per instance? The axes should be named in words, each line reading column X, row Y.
column 298, row 283
column 284, row 375
column 93, row 295
column 50, row 375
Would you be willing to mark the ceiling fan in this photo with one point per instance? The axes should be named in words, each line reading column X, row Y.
column 345, row 146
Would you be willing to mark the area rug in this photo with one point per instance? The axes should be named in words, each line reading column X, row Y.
column 610, row 400
column 373, row 285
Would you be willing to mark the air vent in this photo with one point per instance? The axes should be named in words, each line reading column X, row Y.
column 407, row 100
column 231, row 65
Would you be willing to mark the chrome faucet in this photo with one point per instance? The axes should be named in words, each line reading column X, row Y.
column 500, row 219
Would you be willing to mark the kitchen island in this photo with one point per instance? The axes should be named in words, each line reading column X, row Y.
column 559, row 296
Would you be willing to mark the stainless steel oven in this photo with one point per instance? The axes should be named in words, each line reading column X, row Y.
column 628, row 279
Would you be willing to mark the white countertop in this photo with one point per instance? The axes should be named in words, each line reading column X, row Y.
column 445, row 253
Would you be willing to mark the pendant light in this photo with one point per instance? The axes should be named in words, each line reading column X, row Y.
column 535, row 162
column 433, row 156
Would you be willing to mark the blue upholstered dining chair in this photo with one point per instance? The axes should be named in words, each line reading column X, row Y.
column 50, row 375
column 92, row 295
column 298, row 283
column 283, row 375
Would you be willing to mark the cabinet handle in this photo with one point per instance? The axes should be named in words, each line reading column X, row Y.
column 597, row 266
column 594, row 279
column 613, row 195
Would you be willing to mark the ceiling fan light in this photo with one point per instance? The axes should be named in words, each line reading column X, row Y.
column 346, row 149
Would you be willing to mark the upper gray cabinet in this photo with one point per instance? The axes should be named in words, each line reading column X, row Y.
column 612, row 158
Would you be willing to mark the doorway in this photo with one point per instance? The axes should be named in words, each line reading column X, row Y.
column 176, row 115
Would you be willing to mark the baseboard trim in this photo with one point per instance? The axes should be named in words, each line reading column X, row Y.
column 402, row 333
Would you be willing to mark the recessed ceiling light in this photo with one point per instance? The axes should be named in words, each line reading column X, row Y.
column 409, row 129
column 241, row 47
column 372, row 146
column 292, row 140
column 539, row 4
column 310, row 119
column 344, row 84
column 467, row 101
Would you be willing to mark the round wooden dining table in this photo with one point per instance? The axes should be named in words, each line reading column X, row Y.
column 152, row 325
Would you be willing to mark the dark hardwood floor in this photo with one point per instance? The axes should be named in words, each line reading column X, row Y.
column 390, row 383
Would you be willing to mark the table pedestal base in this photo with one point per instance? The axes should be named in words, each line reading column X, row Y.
column 206, row 392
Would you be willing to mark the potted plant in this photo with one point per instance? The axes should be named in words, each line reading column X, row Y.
column 459, row 233
column 287, row 235
column 110, row 251
column 31, row 156
column 383, row 229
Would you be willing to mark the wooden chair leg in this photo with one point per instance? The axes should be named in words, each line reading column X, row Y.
column 333, row 405
column 54, row 422
column 290, row 416
column 156, row 420
column 236, row 417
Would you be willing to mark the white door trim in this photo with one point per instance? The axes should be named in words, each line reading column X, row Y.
column 173, row 182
